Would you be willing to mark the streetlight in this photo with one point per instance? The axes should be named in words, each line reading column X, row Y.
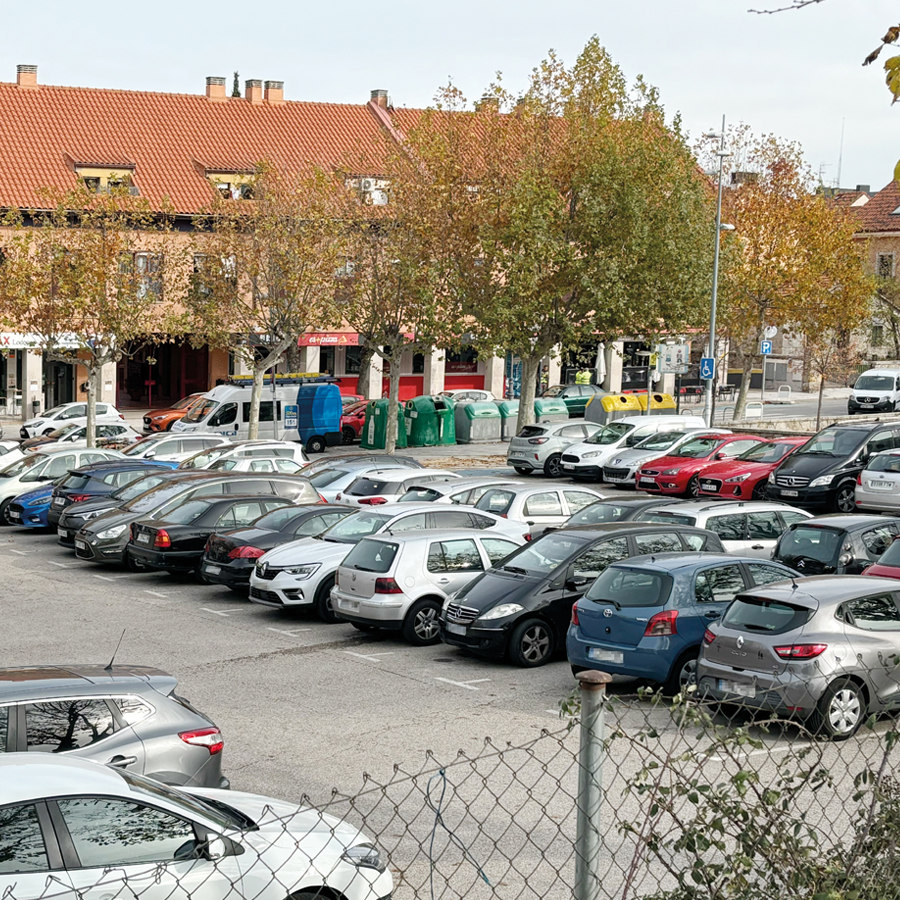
column 722, row 153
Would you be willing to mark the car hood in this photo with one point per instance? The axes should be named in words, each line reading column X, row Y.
column 110, row 520
column 809, row 465
column 633, row 457
column 104, row 502
column 43, row 493
column 496, row 586
column 725, row 468
column 32, row 422
column 681, row 462
column 306, row 550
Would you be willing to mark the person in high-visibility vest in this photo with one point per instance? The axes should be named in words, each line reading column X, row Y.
column 583, row 376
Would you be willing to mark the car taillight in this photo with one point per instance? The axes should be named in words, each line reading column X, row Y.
column 528, row 535
column 131, row 533
column 663, row 623
column 211, row 738
column 77, row 498
column 708, row 637
column 371, row 501
column 801, row 651
column 245, row 553
column 322, row 499
column 162, row 539
column 387, row 586
column 538, row 440
column 574, row 613
column 859, row 478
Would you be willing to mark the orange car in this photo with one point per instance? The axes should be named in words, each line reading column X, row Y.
column 164, row 419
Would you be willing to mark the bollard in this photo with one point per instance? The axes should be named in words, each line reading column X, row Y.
column 591, row 751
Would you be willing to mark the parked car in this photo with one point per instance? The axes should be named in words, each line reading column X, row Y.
column 352, row 421
column 163, row 419
column 399, row 582
column 622, row 468
column 241, row 449
column 888, row 564
column 746, row 477
column 575, row 396
column 537, row 507
column 814, row 649
column 522, row 607
column 257, row 464
column 539, row 448
column 42, row 466
column 645, row 618
column 230, row 556
column 679, row 472
column 31, row 508
column 462, row 395
column 751, row 528
column 10, row 451
column 131, row 835
column 104, row 539
column 174, row 448
column 822, row 473
column 302, row 573
column 127, row 717
column 615, row 510
column 69, row 414
column 836, row 544
column 465, row 491
column 352, row 399
column 878, row 485
column 117, row 435
column 389, row 485
column 174, row 539
column 875, row 390
column 587, row 459
column 361, row 461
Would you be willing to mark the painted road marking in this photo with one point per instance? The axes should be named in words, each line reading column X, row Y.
column 20, row 552
column 61, row 565
column 215, row 612
column 109, row 577
column 372, row 657
column 156, row 594
column 292, row 633
column 465, row 684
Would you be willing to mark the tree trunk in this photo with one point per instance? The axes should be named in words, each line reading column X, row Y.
column 530, row 367
column 819, row 407
column 259, row 373
column 365, row 371
column 393, row 419
column 93, row 380
column 740, row 404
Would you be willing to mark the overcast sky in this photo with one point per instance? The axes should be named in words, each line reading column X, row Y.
column 798, row 73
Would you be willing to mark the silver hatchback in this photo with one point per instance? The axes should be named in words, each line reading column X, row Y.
column 538, row 448
column 878, row 485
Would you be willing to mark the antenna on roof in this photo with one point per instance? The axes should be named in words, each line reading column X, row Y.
column 108, row 668
column 793, row 584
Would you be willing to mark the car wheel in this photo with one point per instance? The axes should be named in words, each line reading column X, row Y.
column 840, row 711
column 422, row 625
column 759, row 492
column 683, row 674
column 844, row 501
column 531, row 644
column 522, row 470
column 693, row 487
column 553, row 466
column 315, row 444
column 322, row 603
column 169, row 426
column 3, row 507
column 348, row 435
column 48, row 431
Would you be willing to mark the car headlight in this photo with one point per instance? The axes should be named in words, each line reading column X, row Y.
column 303, row 571
column 821, row 481
column 735, row 478
column 112, row 533
column 500, row 611
column 92, row 514
column 674, row 471
column 364, row 856
column 771, row 478
column 591, row 454
column 41, row 501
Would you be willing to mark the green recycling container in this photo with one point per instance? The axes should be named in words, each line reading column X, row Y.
column 374, row 433
column 549, row 409
column 509, row 414
column 477, row 422
column 430, row 421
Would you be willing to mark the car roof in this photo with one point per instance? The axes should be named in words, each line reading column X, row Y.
column 605, row 528
column 119, row 464
column 35, row 682
column 855, row 426
column 64, row 448
column 701, row 506
column 395, row 509
column 521, row 487
column 671, row 562
column 633, row 502
column 456, row 484
column 817, row 590
column 401, row 474
column 848, row 522
column 33, row 776
column 408, row 537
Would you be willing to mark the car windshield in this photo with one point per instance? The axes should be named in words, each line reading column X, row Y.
column 874, row 383
column 764, row 616
column 834, row 442
column 185, row 402
column 200, row 410
column 355, row 527
column 598, row 512
column 554, row 391
column 609, row 434
column 139, row 448
column 371, row 556
column 136, row 488
column 324, row 477
column 884, row 462
column 768, row 452
column 187, row 512
column 156, row 497
column 661, row 441
column 817, row 544
column 22, row 465
column 544, row 555
column 697, row 448
column 65, row 430
column 277, row 519
column 199, row 460
column 49, row 413
column 367, row 487
column 623, row 586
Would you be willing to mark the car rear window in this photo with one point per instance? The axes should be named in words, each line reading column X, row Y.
column 420, row 495
column 884, row 462
column 664, row 518
column 803, row 542
column 497, row 502
column 372, row 556
column 531, row 431
column 75, row 481
column 366, row 487
column 762, row 616
column 628, row 587
column 598, row 512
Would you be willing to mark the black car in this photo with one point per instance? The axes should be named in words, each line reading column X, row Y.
column 836, row 545
column 822, row 473
column 522, row 607
column 231, row 555
column 175, row 541
column 97, row 480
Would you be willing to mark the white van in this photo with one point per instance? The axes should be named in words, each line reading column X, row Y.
column 587, row 458
column 225, row 410
column 877, row 390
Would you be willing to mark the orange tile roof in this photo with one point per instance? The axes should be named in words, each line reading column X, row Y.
column 169, row 139
column 878, row 213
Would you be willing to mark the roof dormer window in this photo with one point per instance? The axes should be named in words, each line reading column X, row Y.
column 103, row 180
column 232, row 185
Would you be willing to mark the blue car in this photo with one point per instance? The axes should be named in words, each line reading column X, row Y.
column 645, row 617
column 30, row 509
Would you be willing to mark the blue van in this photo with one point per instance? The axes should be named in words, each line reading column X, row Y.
column 318, row 416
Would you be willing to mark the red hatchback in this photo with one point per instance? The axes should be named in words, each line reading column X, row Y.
column 745, row 477
column 352, row 421
column 680, row 472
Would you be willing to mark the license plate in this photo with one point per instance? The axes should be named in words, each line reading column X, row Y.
column 867, row 406
column 611, row 656
column 350, row 605
column 80, row 545
column 455, row 629
column 143, row 538
column 58, row 501
column 707, row 486
column 736, row 687
column 790, row 493
column 14, row 515
column 212, row 570
column 62, row 532
column 878, row 485
column 645, row 480
column 568, row 466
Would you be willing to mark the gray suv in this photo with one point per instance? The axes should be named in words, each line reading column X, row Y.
column 124, row 716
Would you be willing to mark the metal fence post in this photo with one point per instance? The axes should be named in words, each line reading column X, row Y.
column 592, row 686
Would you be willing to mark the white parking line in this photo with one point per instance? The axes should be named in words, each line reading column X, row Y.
column 464, row 684
column 109, row 577
column 371, row 658
column 156, row 594
column 215, row 612
column 20, row 552
column 292, row 632
column 61, row 565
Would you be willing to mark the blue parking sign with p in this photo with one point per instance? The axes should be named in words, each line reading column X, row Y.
column 765, row 347
column 707, row 368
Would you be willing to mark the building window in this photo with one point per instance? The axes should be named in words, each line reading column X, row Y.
column 103, row 181
column 146, row 269
column 418, row 363
column 884, row 266
column 352, row 360
column 326, row 360
column 232, row 185
column 877, row 335
column 461, row 362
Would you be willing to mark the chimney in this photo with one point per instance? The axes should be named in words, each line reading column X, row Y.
column 215, row 88
column 253, row 90
column 380, row 98
column 275, row 92
column 489, row 101
column 26, row 76
column 865, row 188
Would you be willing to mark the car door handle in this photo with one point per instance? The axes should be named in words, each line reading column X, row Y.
column 712, row 614
column 121, row 761
column 443, row 581
column 757, row 547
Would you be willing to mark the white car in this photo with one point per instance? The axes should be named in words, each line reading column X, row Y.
column 400, row 582
column 167, row 447
column 462, row 491
column 261, row 448
column 43, row 466
column 330, row 482
column 462, row 395
column 537, row 507
column 256, row 464
column 389, row 486
column 302, row 572
column 68, row 414
column 116, row 435
column 131, row 836
column 10, row 451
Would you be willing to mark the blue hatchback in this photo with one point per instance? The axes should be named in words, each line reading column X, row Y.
column 30, row 509
column 645, row 617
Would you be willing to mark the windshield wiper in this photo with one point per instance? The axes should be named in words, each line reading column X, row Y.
column 751, row 627
column 516, row 570
column 363, row 569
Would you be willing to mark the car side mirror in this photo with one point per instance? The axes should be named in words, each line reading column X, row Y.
column 575, row 584
column 720, row 456
column 150, row 454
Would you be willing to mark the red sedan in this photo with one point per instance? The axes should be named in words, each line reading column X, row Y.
column 745, row 477
column 888, row 565
column 680, row 472
column 352, row 421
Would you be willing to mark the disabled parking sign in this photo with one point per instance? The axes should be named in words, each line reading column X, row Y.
column 707, row 368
